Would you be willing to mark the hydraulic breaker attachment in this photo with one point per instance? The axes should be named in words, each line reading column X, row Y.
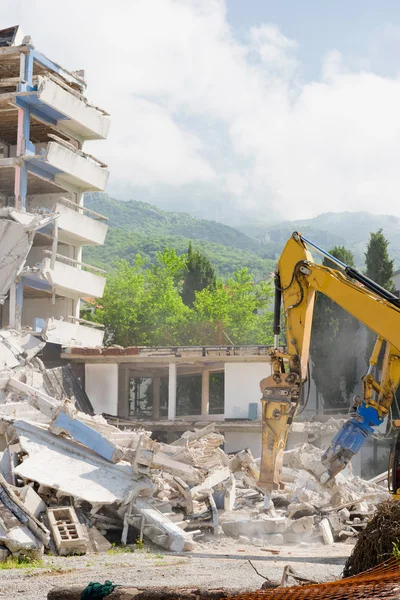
column 280, row 393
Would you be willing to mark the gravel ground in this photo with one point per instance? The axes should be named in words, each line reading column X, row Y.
column 226, row 565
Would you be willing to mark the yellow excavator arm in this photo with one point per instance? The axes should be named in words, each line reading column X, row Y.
column 297, row 278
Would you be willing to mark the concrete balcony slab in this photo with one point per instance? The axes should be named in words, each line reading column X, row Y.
column 69, row 168
column 66, row 278
column 77, row 226
column 71, row 281
column 66, row 110
column 67, row 334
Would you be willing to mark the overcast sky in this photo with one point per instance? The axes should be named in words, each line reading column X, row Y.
column 237, row 109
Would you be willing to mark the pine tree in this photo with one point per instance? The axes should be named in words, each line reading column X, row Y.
column 199, row 274
column 379, row 268
column 333, row 346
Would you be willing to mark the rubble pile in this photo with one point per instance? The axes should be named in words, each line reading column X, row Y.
column 73, row 482
column 306, row 511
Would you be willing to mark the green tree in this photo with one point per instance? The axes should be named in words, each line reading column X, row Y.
column 379, row 268
column 142, row 305
column 240, row 308
column 333, row 348
column 199, row 274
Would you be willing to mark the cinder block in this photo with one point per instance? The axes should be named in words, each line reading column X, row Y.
column 67, row 531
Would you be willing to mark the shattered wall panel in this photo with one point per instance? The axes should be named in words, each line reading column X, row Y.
column 72, row 469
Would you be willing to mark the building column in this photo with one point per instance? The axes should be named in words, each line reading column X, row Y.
column 172, row 392
column 12, row 305
column 20, row 302
column 16, row 300
column 156, row 398
column 123, row 392
column 205, row 392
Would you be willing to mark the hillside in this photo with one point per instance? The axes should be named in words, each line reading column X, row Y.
column 147, row 219
column 140, row 228
column 350, row 229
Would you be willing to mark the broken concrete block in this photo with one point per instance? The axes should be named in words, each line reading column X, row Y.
column 326, row 531
column 31, row 500
column 297, row 510
column 347, row 534
column 8, row 462
column 335, row 523
column 257, row 542
column 21, row 540
column 157, row 527
column 97, row 541
column 344, row 515
column 243, row 539
column 13, row 504
column 190, row 474
column 273, row 539
column 305, row 456
column 230, row 494
column 210, row 482
column 256, row 527
column 301, row 526
column 66, row 530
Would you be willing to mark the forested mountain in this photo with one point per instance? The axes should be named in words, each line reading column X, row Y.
column 141, row 228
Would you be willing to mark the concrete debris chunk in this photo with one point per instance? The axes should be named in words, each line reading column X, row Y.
column 20, row 540
column 31, row 500
column 326, row 531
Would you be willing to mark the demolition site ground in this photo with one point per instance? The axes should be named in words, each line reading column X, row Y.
column 221, row 562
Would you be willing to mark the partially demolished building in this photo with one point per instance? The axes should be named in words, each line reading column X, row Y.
column 45, row 119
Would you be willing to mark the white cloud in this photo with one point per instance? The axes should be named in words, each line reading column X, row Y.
column 176, row 79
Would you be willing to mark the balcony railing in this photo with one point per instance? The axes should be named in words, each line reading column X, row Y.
column 82, row 209
column 73, row 262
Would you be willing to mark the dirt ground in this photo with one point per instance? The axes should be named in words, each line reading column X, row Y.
column 218, row 562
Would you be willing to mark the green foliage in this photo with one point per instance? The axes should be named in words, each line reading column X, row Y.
column 333, row 347
column 142, row 306
column 240, row 307
column 396, row 550
column 21, row 562
column 199, row 274
column 119, row 549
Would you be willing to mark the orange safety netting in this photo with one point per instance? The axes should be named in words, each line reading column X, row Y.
column 382, row 582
